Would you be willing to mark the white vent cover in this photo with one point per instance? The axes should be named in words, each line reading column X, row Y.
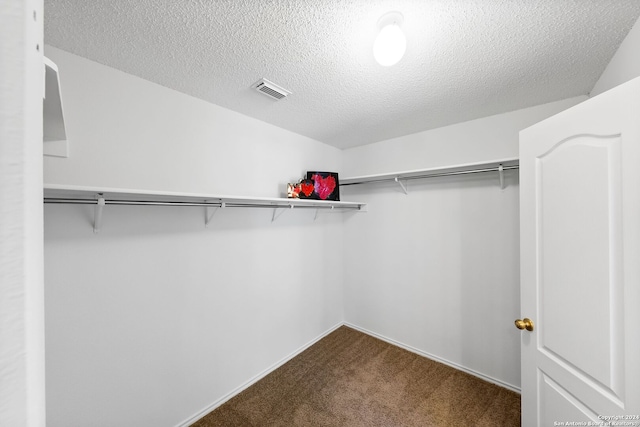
column 270, row 89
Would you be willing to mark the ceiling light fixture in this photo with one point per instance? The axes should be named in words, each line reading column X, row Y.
column 390, row 44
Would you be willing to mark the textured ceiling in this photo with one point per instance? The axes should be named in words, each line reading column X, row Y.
column 465, row 58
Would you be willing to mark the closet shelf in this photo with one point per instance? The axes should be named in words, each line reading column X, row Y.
column 491, row 166
column 100, row 197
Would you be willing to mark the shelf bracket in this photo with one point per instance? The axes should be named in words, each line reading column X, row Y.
column 404, row 188
column 97, row 213
column 501, row 176
column 210, row 213
column 318, row 211
column 277, row 214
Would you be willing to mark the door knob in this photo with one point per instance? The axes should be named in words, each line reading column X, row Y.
column 524, row 324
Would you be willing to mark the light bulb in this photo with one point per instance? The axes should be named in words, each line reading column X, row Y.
column 390, row 45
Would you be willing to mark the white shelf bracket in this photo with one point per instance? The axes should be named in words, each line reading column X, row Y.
column 318, row 211
column 401, row 185
column 501, row 176
column 210, row 213
column 277, row 214
column 97, row 213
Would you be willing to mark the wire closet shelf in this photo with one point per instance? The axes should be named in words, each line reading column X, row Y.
column 101, row 197
column 499, row 166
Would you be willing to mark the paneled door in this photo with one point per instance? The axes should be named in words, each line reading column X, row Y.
column 580, row 263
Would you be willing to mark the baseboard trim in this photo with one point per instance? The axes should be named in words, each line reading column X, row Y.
column 249, row 383
column 434, row 357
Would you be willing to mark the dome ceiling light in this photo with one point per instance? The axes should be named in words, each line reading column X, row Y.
column 390, row 44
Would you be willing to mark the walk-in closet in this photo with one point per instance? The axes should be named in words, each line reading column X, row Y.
column 474, row 266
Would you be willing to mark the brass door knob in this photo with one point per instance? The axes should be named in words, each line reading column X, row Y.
column 524, row 324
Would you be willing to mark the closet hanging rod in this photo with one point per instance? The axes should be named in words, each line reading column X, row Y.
column 129, row 202
column 431, row 175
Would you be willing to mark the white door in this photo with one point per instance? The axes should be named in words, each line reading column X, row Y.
column 580, row 263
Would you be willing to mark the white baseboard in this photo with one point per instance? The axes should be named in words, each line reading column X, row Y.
column 241, row 388
column 436, row 358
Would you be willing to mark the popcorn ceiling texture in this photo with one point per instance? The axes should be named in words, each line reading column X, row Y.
column 465, row 59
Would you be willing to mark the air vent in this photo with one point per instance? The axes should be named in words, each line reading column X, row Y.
column 270, row 89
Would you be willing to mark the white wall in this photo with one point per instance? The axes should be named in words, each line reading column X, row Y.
column 625, row 64
column 22, row 390
column 437, row 270
column 157, row 318
column 130, row 133
column 489, row 138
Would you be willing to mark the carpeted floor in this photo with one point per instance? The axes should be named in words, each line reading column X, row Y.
column 352, row 379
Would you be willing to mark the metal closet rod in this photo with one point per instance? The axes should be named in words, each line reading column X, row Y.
column 434, row 175
column 205, row 204
column 129, row 202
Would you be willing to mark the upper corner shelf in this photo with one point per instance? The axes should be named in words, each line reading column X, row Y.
column 468, row 168
column 54, row 131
